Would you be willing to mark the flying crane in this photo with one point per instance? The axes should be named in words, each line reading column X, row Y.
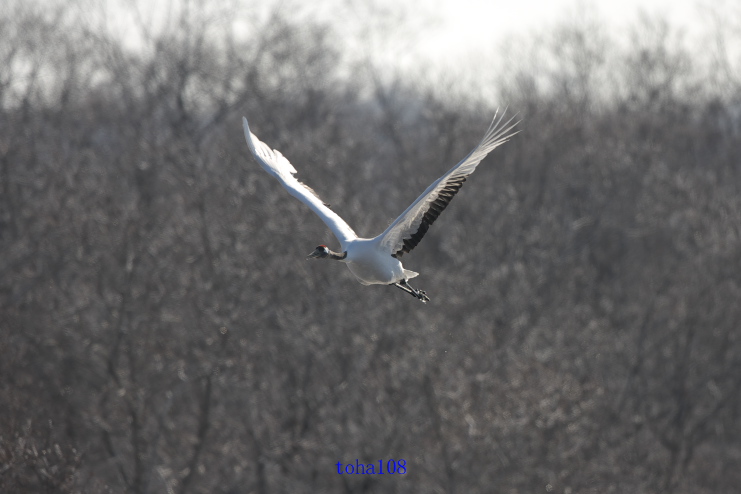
column 376, row 261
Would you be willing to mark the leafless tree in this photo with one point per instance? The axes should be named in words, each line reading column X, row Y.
column 162, row 332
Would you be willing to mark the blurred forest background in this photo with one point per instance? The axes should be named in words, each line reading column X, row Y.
column 162, row 332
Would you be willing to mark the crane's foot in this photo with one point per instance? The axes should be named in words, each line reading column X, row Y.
column 419, row 294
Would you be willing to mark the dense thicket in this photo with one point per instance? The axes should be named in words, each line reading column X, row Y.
column 161, row 330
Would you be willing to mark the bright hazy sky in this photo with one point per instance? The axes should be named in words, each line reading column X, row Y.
column 462, row 29
column 455, row 36
column 467, row 24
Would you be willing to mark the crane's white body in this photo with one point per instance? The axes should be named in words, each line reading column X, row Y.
column 372, row 264
column 374, row 261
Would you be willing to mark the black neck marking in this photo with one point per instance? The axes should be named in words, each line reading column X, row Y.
column 336, row 256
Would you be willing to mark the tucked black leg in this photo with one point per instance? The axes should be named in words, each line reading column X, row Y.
column 419, row 294
column 405, row 288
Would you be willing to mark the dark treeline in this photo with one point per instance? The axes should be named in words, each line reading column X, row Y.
column 160, row 330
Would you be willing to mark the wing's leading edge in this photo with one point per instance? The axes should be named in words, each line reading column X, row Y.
column 273, row 162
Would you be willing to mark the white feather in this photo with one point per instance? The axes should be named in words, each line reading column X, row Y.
column 278, row 166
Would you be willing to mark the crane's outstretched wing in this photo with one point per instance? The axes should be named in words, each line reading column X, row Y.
column 278, row 166
column 407, row 230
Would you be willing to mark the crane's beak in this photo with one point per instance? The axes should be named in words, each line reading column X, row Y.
column 313, row 255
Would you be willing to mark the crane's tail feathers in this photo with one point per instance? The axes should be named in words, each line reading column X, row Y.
column 410, row 274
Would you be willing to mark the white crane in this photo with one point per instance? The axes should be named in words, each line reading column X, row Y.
column 375, row 261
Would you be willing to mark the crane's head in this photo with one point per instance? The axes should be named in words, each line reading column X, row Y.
column 320, row 252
